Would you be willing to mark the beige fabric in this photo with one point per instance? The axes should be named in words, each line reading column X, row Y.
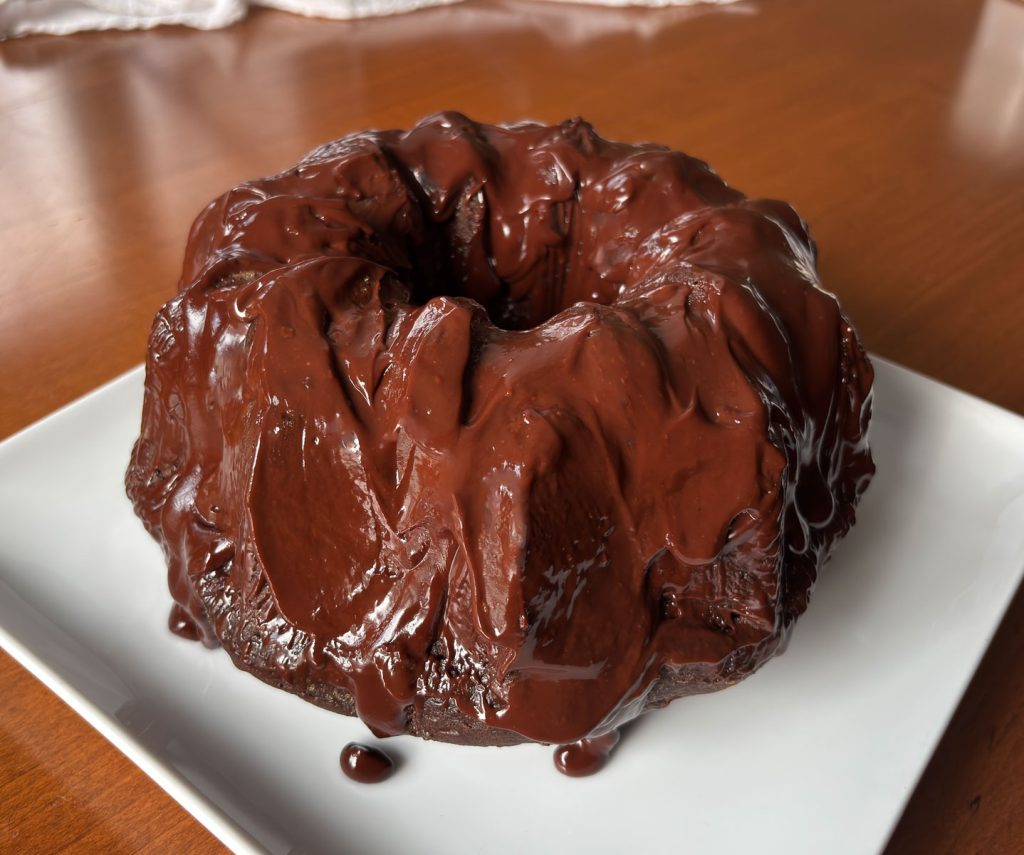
column 59, row 17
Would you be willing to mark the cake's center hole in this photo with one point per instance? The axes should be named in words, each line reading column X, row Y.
column 519, row 304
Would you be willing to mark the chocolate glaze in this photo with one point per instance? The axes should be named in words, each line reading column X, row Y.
column 179, row 622
column 585, row 756
column 493, row 434
column 366, row 764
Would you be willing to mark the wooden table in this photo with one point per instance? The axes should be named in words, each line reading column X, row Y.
column 896, row 128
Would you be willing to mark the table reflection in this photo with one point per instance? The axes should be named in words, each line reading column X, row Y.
column 988, row 111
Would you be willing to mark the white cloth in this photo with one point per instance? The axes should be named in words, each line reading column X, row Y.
column 59, row 17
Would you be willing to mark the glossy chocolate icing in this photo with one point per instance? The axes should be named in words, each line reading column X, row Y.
column 585, row 756
column 498, row 433
column 366, row 764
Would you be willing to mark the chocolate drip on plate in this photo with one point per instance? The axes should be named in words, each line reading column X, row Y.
column 585, row 756
column 366, row 764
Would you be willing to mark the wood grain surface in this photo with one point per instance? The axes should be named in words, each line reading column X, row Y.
column 896, row 127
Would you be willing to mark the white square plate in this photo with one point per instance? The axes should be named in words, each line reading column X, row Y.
column 818, row 752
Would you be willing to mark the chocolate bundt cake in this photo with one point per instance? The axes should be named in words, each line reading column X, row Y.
column 498, row 433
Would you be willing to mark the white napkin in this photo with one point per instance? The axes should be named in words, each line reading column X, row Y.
column 658, row 4
column 59, row 17
column 20, row 17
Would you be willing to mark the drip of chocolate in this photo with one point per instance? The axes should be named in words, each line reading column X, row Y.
column 181, row 624
column 493, row 434
column 366, row 764
column 585, row 756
